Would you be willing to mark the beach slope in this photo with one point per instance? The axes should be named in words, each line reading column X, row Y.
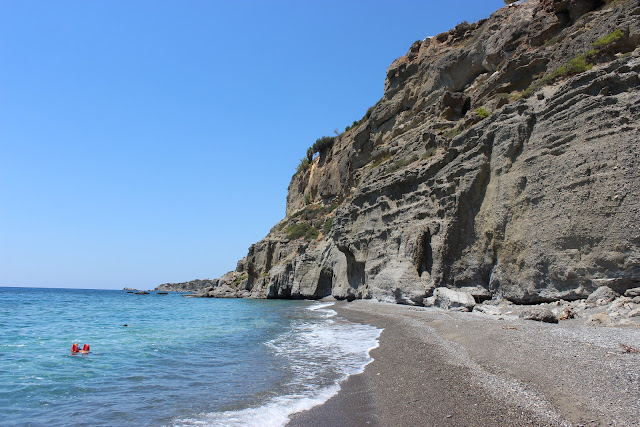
column 436, row 367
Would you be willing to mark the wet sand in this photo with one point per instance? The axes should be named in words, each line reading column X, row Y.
column 441, row 368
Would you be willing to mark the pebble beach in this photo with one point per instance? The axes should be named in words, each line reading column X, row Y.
column 444, row 368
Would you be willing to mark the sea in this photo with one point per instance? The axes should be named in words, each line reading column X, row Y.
column 179, row 362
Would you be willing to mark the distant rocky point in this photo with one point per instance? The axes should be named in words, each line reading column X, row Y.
column 502, row 162
column 190, row 286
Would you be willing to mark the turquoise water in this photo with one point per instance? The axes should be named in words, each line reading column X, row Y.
column 181, row 361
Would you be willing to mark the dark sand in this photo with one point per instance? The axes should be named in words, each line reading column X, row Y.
column 439, row 368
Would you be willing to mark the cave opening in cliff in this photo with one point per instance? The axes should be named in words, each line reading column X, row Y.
column 425, row 262
column 355, row 270
column 325, row 283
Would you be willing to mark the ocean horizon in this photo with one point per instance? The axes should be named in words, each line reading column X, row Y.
column 179, row 362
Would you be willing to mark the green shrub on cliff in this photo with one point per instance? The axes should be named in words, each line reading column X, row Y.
column 240, row 279
column 311, row 234
column 302, row 166
column 483, row 113
column 579, row 64
column 327, row 226
column 320, row 146
column 575, row 66
column 608, row 40
column 305, row 229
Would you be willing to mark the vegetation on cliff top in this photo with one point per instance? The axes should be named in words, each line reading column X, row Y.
column 320, row 146
column 302, row 166
column 578, row 64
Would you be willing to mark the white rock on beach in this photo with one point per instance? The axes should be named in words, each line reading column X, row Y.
column 449, row 299
column 633, row 292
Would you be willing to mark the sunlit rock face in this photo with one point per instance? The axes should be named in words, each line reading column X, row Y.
column 503, row 159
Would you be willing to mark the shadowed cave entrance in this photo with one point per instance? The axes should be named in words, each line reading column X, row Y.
column 325, row 283
column 425, row 257
column 355, row 273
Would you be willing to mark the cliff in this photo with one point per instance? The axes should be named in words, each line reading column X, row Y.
column 502, row 160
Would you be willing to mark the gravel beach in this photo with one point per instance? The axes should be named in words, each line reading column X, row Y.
column 436, row 367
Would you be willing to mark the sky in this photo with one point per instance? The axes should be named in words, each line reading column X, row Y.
column 146, row 142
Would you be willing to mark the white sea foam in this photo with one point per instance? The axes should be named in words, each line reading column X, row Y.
column 319, row 354
column 320, row 306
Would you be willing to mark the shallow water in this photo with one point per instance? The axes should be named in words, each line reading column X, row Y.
column 182, row 361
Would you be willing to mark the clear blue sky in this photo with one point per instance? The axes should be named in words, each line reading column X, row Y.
column 144, row 142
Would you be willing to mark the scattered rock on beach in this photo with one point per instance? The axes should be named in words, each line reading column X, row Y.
column 567, row 313
column 601, row 296
column 449, row 299
column 600, row 319
column 632, row 293
column 539, row 314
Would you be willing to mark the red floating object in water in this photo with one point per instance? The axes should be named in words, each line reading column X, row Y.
column 74, row 348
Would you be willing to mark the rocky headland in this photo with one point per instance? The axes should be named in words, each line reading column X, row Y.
column 500, row 168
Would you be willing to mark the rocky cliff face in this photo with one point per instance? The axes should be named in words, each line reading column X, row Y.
column 503, row 160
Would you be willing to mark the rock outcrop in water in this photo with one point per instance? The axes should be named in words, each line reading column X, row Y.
column 502, row 161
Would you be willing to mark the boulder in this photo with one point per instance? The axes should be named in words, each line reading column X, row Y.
column 539, row 314
column 451, row 300
column 477, row 292
column 602, row 295
column 622, row 302
column 567, row 313
column 632, row 293
column 142, row 293
column 600, row 319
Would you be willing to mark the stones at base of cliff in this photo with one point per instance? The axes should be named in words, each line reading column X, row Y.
column 604, row 308
column 539, row 314
column 451, row 300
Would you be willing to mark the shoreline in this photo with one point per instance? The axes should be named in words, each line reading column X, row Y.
column 436, row 367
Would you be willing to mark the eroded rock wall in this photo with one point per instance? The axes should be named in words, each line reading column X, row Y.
column 485, row 167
